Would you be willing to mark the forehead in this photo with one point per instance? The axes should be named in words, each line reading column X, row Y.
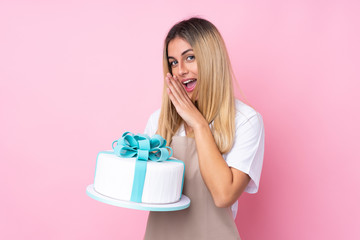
column 178, row 46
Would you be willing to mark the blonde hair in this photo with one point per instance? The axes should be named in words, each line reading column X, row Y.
column 214, row 89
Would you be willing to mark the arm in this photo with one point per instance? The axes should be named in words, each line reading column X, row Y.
column 224, row 183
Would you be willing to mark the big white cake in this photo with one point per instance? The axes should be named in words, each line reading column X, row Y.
column 114, row 178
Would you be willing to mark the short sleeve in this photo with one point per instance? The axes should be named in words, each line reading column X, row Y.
column 152, row 124
column 247, row 152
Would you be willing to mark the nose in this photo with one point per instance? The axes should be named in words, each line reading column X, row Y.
column 182, row 69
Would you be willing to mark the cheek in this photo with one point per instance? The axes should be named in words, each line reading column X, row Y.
column 194, row 68
column 174, row 71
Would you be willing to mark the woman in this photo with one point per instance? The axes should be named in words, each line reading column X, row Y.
column 220, row 139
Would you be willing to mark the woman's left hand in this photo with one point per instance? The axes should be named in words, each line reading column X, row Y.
column 183, row 104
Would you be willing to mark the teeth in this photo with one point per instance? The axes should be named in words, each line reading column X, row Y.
column 190, row 80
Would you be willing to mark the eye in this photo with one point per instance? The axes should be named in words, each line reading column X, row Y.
column 190, row 57
column 173, row 63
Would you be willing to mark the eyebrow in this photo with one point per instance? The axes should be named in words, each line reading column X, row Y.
column 190, row 49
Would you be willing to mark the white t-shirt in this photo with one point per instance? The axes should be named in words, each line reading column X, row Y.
column 247, row 152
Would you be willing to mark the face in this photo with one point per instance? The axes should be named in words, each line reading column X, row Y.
column 183, row 63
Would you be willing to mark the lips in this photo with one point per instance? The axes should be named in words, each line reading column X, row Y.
column 189, row 84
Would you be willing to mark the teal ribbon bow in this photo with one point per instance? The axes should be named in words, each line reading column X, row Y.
column 143, row 148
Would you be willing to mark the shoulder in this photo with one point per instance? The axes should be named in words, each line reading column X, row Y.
column 246, row 114
column 155, row 116
column 152, row 123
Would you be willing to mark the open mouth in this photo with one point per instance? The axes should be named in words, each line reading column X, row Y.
column 189, row 84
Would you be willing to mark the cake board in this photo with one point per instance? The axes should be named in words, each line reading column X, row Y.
column 180, row 205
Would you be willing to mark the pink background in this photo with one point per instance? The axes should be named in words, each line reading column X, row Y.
column 75, row 75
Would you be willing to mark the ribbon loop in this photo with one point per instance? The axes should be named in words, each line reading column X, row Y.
column 142, row 147
column 171, row 151
column 157, row 141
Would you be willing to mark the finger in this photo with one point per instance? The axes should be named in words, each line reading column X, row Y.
column 180, row 86
column 171, row 90
column 178, row 90
column 172, row 98
column 174, row 89
column 171, row 85
column 182, row 93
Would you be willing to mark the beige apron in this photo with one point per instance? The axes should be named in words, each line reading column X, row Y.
column 202, row 220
